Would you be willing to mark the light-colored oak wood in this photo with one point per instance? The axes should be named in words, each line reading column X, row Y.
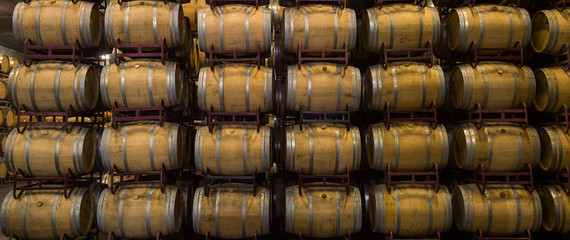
column 322, row 148
column 319, row 27
column 410, row 210
column 549, row 32
column 235, row 87
column 407, row 146
column 57, row 23
column 233, row 149
column 495, row 85
column 143, row 146
column 47, row 214
column 133, row 22
column 232, row 213
column 50, row 151
column 141, row 83
column 53, row 86
column 323, row 87
column 3, row 90
column 554, row 145
column 191, row 10
column 14, row 62
column 5, row 66
column 235, row 27
column 322, row 212
column 500, row 147
column 3, row 170
column 404, row 85
column 198, row 57
column 552, row 89
column 11, row 118
column 400, row 26
column 491, row 26
column 502, row 210
column 140, row 211
column 555, row 203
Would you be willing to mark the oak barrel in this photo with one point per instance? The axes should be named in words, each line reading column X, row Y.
column 3, row 90
column 490, row 26
column 235, row 87
column 411, row 146
column 50, row 151
column 501, row 210
column 47, row 214
column 191, row 10
column 235, row 27
column 555, row 204
column 404, row 85
column 232, row 213
column 322, row 148
column 143, row 146
column 549, row 30
column 3, row 170
column 14, row 62
column 500, row 147
column 323, row 87
column 233, row 149
column 318, row 27
column 554, row 145
column 322, row 212
column 57, row 23
column 5, row 66
column 400, row 26
column 141, row 83
column 144, row 22
column 494, row 85
column 552, row 89
column 140, row 211
column 53, row 86
column 410, row 210
column 11, row 118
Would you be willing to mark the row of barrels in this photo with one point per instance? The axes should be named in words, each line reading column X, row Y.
column 7, row 63
column 500, row 210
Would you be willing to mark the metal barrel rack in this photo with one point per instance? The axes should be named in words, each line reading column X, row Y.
column 410, row 115
column 73, row 52
column 155, row 51
column 304, row 117
column 66, row 183
column 559, row 4
column 444, row 10
column 225, row 118
column 381, row 3
column 215, row 3
column 138, row 178
column 424, row 54
column 416, row 178
column 235, row 182
column 527, row 235
column 484, row 179
column 326, row 55
column 436, row 236
column 340, row 3
column 155, row 113
column 343, row 178
column 43, row 119
column 222, row 56
column 563, row 57
column 480, row 116
column 513, row 55
column 561, row 178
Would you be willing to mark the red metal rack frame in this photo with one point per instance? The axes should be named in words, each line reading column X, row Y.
column 482, row 178
column 563, row 57
column 43, row 117
column 5, row 104
column 137, row 181
column 343, row 55
column 412, row 54
column 342, row 117
column 220, row 56
column 344, row 181
column 479, row 236
column 72, row 52
column 66, row 183
column 506, row 115
column 562, row 178
column 514, row 55
column 215, row 3
column 436, row 236
column 141, row 51
column 408, row 115
column 340, row 3
column 229, row 118
column 559, row 4
column 414, row 178
column 128, row 114
column 222, row 182
column 563, row 113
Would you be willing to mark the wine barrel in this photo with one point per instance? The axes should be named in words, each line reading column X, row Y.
column 35, row 151
column 53, row 86
column 141, row 83
column 500, row 147
column 96, row 189
column 494, row 85
column 502, row 210
column 552, row 89
column 410, row 210
column 2, row 117
column 14, row 62
column 400, row 87
column 11, row 118
column 235, row 87
column 47, row 214
column 414, row 146
column 144, row 22
column 3, row 170
column 191, row 10
column 232, row 213
column 322, row 212
column 548, row 30
column 490, row 26
column 323, row 87
column 400, row 26
column 234, row 27
column 441, row 50
column 220, row 151
column 4, row 137
column 140, row 211
column 57, row 23
column 322, row 148
column 187, row 189
column 198, row 57
column 553, row 144
column 555, row 203
column 3, row 90
column 319, row 27
column 5, row 66
column 143, row 146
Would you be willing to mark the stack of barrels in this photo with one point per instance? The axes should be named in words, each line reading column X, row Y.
column 6, row 64
column 144, row 146
column 234, row 149
column 51, row 151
